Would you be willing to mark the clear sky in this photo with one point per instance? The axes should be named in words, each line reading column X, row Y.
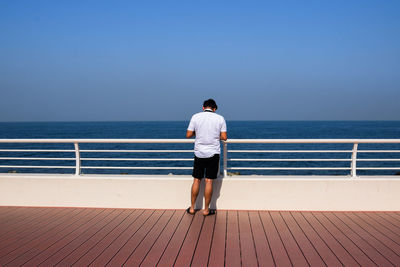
column 159, row 60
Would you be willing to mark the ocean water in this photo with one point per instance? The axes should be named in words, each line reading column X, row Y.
column 177, row 129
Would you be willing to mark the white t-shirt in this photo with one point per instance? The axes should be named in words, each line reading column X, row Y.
column 207, row 126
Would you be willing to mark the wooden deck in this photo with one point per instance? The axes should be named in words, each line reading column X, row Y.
column 115, row 237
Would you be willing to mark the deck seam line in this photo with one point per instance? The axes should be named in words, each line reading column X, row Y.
column 322, row 241
column 338, row 241
column 155, row 241
column 269, row 245
column 354, row 242
column 33, row 240
column 31, row 219
column 125, row 242
column 240, row 245
column 183, row 241
column 36, row 223
column 312, row 244
column 154, row 225
column 252, row 236
column 197, row 242
column 373, row 236
column 74, row 240
column 41, row 228
column 382, row 233
column 283, row 244
column 366, row 214
column 388, row 221
column 212, row 238
column 169, row 241
column 394, row 264
column 105, row 235
column 351, row 240
column 295, row 240
column 74, row 230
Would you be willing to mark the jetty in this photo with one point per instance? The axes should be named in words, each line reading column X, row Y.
column 99, row 219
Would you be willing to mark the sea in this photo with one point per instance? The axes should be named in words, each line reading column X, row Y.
column 177, row 130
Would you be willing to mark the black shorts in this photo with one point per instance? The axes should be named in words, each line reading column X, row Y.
column 207, row 166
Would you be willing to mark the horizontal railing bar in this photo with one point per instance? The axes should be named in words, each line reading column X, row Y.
column 139, row 151
column 36, row 150
column 312, row 141
column 40, row 167
column 377, row 168
column 289, row 159
column 273, row 168
column 139, row 141
column 290, row 151
column 138, row 168
column 138, row 159
column 229, row 141
column 9, row 158
column 378, row 159
column 378, row 151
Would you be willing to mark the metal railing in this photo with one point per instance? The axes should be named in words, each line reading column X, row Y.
column 263, row 162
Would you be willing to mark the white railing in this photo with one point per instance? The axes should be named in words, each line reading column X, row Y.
column 351, row 155
column 353, row 159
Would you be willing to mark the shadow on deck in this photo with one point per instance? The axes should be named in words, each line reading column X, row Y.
column 115, row 237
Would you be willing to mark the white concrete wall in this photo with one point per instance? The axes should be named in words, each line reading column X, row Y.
column 173, row 192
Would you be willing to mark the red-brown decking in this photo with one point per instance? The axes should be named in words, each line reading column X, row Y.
column 115, row 237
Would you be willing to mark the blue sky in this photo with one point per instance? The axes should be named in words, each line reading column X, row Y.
column 158, row 60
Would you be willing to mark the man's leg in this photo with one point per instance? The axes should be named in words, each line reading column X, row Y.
column 208, row 190
column 195, row 193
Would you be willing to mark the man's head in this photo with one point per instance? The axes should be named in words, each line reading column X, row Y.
column 210, row 103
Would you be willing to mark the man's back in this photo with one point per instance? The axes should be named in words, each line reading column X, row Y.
column 207, row 126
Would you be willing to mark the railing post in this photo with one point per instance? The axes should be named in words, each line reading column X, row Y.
column 354, row 161
column 225, row 148
column 78, row 159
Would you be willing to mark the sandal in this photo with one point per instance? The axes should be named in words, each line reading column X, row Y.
column 188, row 211
column 210, row 212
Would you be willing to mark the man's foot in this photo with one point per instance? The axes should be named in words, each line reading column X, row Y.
column 190, row 211
column 209, row 212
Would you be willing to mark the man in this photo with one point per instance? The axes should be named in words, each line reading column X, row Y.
column 208, row 128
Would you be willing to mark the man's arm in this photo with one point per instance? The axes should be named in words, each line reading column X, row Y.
column 190, row 134
column 223, row 136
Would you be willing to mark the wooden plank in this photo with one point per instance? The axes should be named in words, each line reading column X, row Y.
column 113, row 238
column 186, row 252
column 383, row 245
column 279, row 253
column 46, row 223
column 14, row 213
column 374, row 255
column 202, row 252
column 386, row 218
column 61, row 246
column 28, row 243
column 261, row 243
column 217, row 252
column 137, row 256
column 324, row 251
column 232, row 253
column 22, row 223
column 295, row 254
column 309, row 252
column 52, row 237
column 355, row 252
column 126, row 248
column 171, row 252
column 98, row 236
column 247, row 247
column 155, row 253
column 380, row 223
column 328, row 235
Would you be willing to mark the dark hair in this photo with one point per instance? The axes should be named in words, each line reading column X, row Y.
column 210, row 103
